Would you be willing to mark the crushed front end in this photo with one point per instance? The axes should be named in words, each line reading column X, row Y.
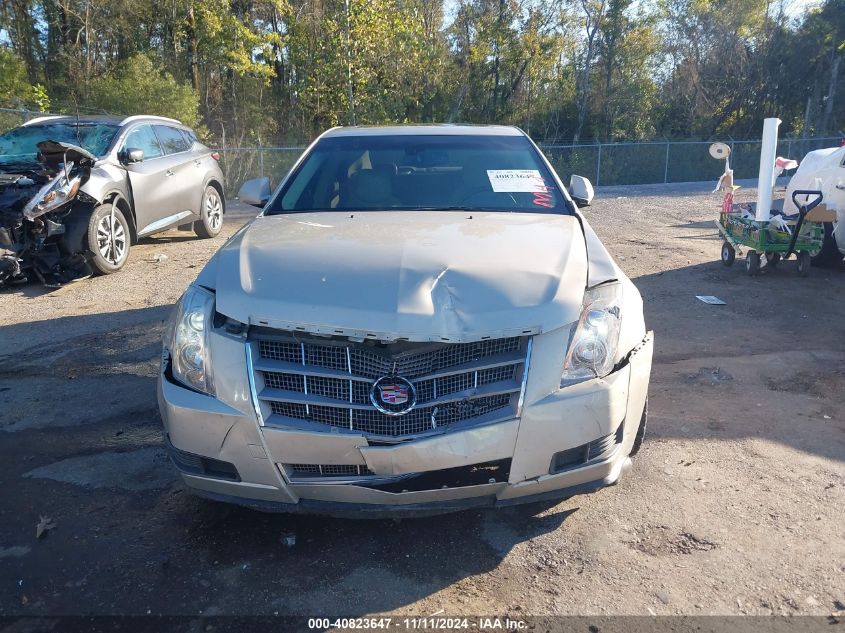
column 37, row 229
column 299, row 422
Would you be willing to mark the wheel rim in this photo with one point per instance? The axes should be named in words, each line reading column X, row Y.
column 213, row 211
column 111, row 239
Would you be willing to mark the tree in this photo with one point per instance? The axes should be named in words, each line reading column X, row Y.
column 137, row 86
column 273, row 71
column 16, row 91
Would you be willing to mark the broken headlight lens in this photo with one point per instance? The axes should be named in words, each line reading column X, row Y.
column 54, row 194
column 593, row 344
column 187, row 339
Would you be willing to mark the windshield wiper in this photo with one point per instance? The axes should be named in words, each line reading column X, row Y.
column 445, row 208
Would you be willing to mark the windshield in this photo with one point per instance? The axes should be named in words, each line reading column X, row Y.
column 414, row 172
column 21, row 144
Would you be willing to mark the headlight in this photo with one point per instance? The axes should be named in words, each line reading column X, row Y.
column 593, row 344
column 187, row 339
column 51, row 196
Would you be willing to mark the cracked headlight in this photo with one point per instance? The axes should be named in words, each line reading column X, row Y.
column 593, row 344
column 54, row 194
column 187, row 339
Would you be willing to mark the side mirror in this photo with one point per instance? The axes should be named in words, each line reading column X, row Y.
column 132, row 155
column 255, row 192
column 581, row 190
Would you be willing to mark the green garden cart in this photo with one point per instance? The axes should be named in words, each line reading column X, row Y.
column 773, row 240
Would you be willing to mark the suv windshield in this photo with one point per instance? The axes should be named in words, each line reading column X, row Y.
column 415, row 172
column 21, row 144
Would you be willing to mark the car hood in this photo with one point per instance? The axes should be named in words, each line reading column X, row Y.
column 55, row 151
column 420, row 276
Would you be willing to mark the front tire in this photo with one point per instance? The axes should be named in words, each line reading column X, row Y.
column 803, row 263
column 108, row 239
column 752, row 263
column 640, row 436
column 728, row 253
column 211, row 214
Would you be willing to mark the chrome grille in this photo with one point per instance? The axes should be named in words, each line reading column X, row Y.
column 286, row 382
column 362, row 361
column 373, row 422
column 328, row 382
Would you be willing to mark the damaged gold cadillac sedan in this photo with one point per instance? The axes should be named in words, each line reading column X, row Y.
column 419, row 321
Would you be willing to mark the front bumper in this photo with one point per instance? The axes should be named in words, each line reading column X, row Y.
column 567, row 441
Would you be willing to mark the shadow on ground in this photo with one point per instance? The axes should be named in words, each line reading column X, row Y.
column 768, row 365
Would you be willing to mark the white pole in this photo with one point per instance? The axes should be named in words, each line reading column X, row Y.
column 766, row 178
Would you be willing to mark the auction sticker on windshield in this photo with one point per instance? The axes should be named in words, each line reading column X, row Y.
column 516, row 180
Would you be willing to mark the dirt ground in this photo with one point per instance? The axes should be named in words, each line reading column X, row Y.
column 734, row 505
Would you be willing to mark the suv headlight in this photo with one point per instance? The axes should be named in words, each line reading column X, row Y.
column 593, row 344
column 52, row 195
column 187, row 339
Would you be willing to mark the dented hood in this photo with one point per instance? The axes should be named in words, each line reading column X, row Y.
column 416, row 275
column 55, row 151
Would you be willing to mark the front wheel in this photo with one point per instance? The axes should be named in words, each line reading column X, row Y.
column 211, row 214
column 752, row 263
column 108, row 239
column 640, row 436
column 804, row 263
column 728, row 253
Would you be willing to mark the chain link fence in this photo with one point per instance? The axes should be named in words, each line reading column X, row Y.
column 652, row 162
column 634, row 163
column 642, row 163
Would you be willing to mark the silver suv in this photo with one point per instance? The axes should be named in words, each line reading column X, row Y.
column 75, row 193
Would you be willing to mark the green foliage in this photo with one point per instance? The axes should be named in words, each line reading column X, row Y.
column 15, row 89
column 259, row 72
column 137, row 86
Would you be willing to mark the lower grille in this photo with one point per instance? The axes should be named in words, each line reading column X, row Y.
column 601, row 448
column 328, row 382
column 302, row 471
column 199, row 465
column 458, row 477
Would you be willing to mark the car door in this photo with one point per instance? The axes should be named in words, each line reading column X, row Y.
column 204, row 166
column 184, row 180
column 148, row 179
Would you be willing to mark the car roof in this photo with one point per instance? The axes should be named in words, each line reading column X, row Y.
column 92, row 119
column 445, row 129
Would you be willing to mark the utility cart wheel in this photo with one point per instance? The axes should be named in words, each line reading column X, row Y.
column 728, row 253
column 772, row 259
column 752, row 263
column 804, row 263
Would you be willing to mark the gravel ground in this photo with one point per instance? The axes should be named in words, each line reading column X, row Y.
column 734, row 505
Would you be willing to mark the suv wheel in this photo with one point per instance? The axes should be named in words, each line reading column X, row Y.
column 211, row 214
column 108, row 239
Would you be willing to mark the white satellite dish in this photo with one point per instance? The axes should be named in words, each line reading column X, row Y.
column 720, row 151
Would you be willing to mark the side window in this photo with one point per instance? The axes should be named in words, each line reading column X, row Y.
column 190, row 136
column 143, row 138
column 171, row 139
